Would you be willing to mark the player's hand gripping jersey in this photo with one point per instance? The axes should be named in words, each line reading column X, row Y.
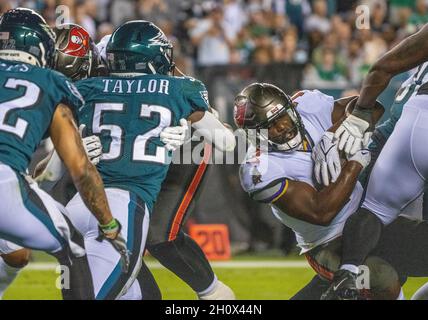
column 29, row 96
column 262, row 171
column 128, row 115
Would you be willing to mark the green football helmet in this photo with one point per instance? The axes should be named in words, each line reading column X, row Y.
column 26, row 37
column 139, row 47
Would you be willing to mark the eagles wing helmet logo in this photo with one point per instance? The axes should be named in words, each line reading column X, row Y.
column 158, row 40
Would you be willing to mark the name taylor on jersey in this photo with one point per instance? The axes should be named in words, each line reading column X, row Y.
column 158, row 86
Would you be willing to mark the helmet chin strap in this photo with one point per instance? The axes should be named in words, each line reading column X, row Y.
column 290, row 145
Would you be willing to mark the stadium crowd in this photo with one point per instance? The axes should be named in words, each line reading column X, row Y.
column 319, row 33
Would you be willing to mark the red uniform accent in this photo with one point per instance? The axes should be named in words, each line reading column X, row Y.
column 319, row 269
column 239, row 112
column 297, row 94
column 191, row 190
column 78, row 42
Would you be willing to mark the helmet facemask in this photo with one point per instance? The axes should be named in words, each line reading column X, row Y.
column 168, row 54
column 258, row 133
column 281, row 142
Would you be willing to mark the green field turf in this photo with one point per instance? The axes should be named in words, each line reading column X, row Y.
column 248, row 283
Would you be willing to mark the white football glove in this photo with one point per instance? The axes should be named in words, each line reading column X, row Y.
column 351, row 134
column 362, row 156
column 174, row 137
column 92, row 145
column 327, row 161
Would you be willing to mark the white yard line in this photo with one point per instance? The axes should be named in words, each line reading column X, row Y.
column 216, row 264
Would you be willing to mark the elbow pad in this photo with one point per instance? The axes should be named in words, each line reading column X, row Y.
column 215, row 132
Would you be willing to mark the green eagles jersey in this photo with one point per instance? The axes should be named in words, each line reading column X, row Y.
column 128, row 114
column 28, row 98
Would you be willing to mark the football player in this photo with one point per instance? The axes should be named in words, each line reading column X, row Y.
column 38, row 103
column 166, row 240
column 279, row 171
column 128, row 110
column 399, row 175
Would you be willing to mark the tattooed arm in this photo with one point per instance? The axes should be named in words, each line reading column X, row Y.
column 68, row 144
column 408, row 54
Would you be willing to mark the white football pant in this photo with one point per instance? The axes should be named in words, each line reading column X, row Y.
column 398, row 177
column 104, row 261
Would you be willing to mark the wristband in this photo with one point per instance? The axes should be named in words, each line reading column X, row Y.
column 363, row 113
column 113, row 225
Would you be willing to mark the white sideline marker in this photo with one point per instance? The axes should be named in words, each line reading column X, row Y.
column 216, row 264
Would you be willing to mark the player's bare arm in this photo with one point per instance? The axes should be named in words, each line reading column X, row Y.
column 304, row 202
column 343, row 107
column 355, row 131
column 68, row 144
column 409, row 53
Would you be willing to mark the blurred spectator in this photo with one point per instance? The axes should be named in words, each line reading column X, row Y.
column 378, row 16
column 86, row 13
column 122, row 11
column 104, row 29
column 159, row 10
column 419, row 17
column 209, row 37
column 326, row 74
column 318, row 20
column 49, row 13
column 357, row 67
column 330, row 42
column 262, row 56
column 235, row 18
column 286, row 50
column 295, row 10
column 400, row 10
column 374, row 46
column 258, row 24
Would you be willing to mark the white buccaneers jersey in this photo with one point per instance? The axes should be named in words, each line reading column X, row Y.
column 265, row 175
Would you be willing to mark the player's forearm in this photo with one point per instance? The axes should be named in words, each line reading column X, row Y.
column 91, row 188
column 408, row 54
column 330, row 200
column 375, row 82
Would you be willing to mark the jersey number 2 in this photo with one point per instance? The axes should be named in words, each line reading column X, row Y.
column 28, row 99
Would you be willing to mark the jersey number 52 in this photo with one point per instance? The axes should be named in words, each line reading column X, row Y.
column 139, row 144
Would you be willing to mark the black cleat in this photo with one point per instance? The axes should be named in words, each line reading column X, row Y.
column 343, row 287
